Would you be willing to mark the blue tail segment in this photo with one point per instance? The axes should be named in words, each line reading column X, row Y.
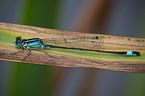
column 132, row 53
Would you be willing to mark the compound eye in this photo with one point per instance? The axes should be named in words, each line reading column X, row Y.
column 18, row 41
column 18, row 38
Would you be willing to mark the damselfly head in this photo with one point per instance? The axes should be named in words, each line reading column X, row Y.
column 18, row 41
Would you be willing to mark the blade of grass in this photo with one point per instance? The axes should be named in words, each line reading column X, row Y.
column 73, row 58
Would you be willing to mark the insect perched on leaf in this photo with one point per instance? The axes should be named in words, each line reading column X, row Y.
column 28, row 44
column 37, row 44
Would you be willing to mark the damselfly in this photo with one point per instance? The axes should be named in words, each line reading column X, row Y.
column 28, row 44
column 69, row 43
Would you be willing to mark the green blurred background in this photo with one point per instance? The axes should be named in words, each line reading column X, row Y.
column 115, row 17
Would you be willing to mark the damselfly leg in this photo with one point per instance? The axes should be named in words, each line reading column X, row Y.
column 27, row 54
column 18, row 52
column 41, row 50
column 22, row 51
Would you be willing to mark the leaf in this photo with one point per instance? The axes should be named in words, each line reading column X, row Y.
column 73, row 58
